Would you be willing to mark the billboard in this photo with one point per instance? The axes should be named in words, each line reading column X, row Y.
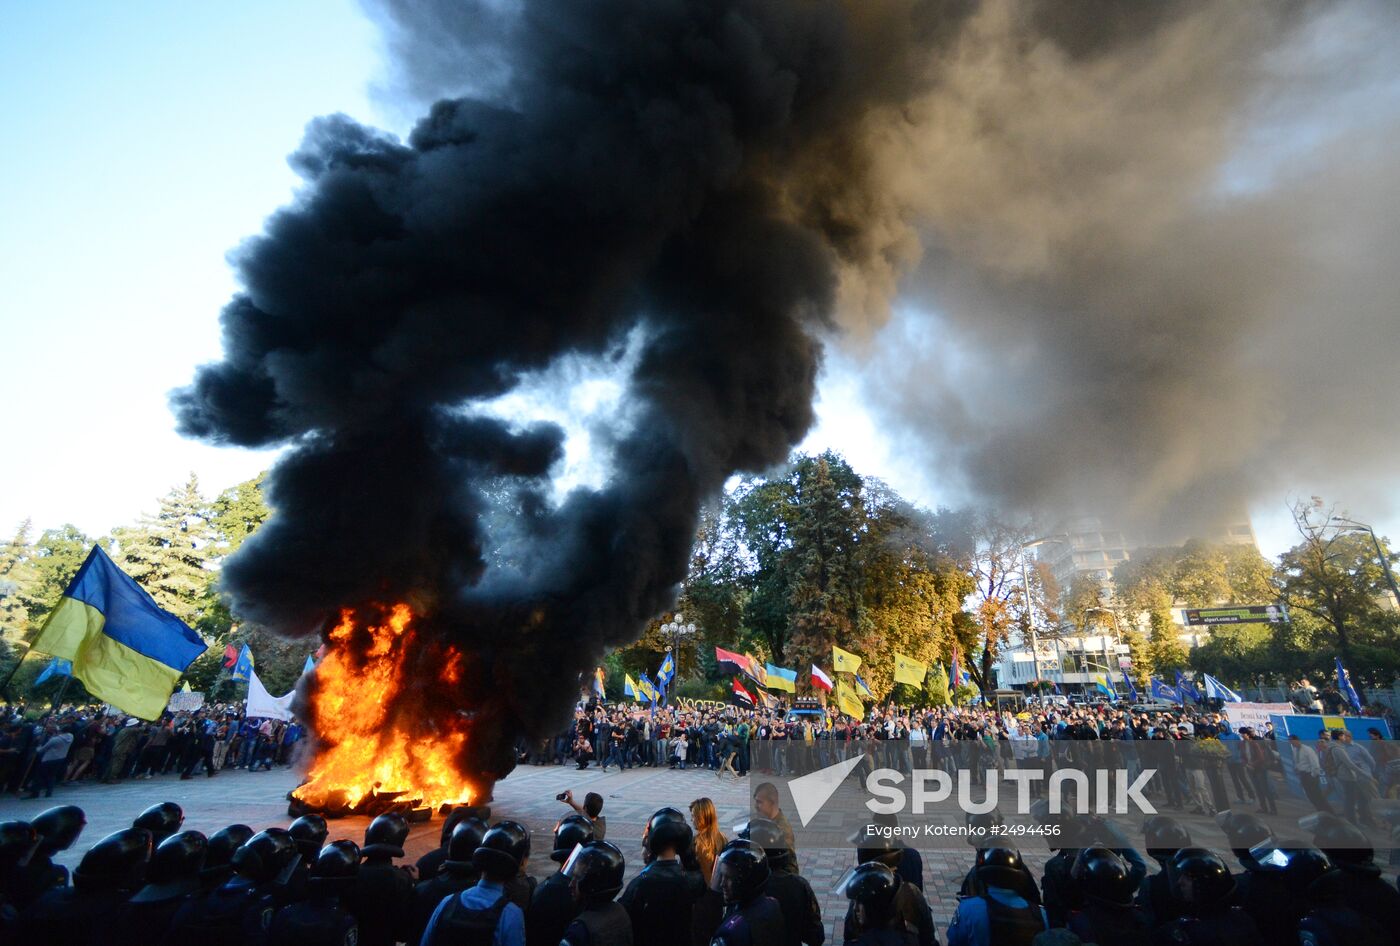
column 1247, row 614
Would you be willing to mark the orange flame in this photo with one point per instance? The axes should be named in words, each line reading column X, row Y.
column 363, row 744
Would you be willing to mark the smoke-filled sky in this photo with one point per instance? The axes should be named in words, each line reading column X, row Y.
column 1133, row 263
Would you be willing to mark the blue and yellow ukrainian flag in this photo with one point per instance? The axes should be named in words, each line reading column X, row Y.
column 862, row 687
column 125, row 648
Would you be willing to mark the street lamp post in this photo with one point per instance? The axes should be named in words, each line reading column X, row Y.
column 1353, row 526
column 677, row 627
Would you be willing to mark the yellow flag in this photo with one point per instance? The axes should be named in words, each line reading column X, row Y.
column 908, row 670
column 848, row 701
column 629, row 687
column 844, row 660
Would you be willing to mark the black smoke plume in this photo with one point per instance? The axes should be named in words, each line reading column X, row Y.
column 621, row 170
column 727, row 183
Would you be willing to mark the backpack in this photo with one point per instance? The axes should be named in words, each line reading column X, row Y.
column 458, row 924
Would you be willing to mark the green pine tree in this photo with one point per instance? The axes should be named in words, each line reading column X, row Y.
column 825, row 594
column 237, row 512
column 166, row 553
column 18, row 580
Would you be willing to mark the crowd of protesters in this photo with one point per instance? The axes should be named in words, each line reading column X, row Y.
column 76, row 744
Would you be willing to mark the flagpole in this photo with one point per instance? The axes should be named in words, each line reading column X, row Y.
column 58, row 697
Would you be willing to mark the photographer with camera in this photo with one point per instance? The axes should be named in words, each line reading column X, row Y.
column 592, row 809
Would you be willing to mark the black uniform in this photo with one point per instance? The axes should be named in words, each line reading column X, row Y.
column 912, row 909
column 606, row 925
column 429, row 893
column 887, row 937
column 802, row 915
column 1110, row 924
column 236, row 914
column 33, row 880
column 659, row 901
column 1154, row 897
column 382, row 902
column 757, row 923
column 551, row 911
column 1057, row 887
column 317, row 921
column 1228, row 927
column 70, row 917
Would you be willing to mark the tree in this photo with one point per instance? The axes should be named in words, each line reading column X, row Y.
column 237, row 512
column 936, row 687
column 825, row 596
column 1336, row 578
column 166, row 552
column 17, row 584
column 999, row 603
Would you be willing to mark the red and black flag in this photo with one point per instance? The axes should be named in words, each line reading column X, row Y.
column 741, row 696
column 230, row 656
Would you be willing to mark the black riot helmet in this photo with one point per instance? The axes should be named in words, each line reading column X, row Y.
column 161, row 820
column 309, row 832
column 1101, row 875
column 58, row 828
column 569, row 833
column 999, row 866
column 385, row 836
column 872, row 887
column 218, row 860
column 1299, row 863
column 18, row 839
column 1164, row 836
column 767, row 835
column 1199, row 881
column 268, row 857
column 667, row 829
column 174, row 868
column 117, row 862
column 336, row 866
column 981, row 827
column 595, row 871
column 1243, row 831
column 1343, row 842
column 740, row 872
column 466, row 838
column 503, row 850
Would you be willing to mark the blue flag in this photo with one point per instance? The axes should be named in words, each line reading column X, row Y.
column 243, row 667
column 58, row 667
column 1344, row 684
column 1219, row 691
column 1186, row 688
column 309, row 666
column 667, row 670
column 125, row 648
column 1160, row 691
column 1132, row 690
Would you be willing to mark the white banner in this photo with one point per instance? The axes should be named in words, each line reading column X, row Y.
column 185, row 701
column 1253, row 715
column 263, row 704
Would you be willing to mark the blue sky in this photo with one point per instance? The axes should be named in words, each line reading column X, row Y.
column 145, row 141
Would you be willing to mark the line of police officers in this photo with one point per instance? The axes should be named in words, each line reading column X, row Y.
column 155, row 884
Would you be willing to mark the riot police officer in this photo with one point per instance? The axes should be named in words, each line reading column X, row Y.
column 58, row 829
column 218, row 857
column 308, row 833
column 171, row 877
column 1164, row 836
column 1105, row 914
column 751, row 918
column 18, row 840
column 383, row 899
column 485, row 914
column 996, row 910
column 320, row 919
column 162, row 820
column 660, row 898
column 1360, row 885
column 454, row 875
column 802, row 914
column 595, row 876
column 1202, row 889
column 429, row 864
column 871, row 890
column 239, row 912
column 108, row 874
column 553, row 907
